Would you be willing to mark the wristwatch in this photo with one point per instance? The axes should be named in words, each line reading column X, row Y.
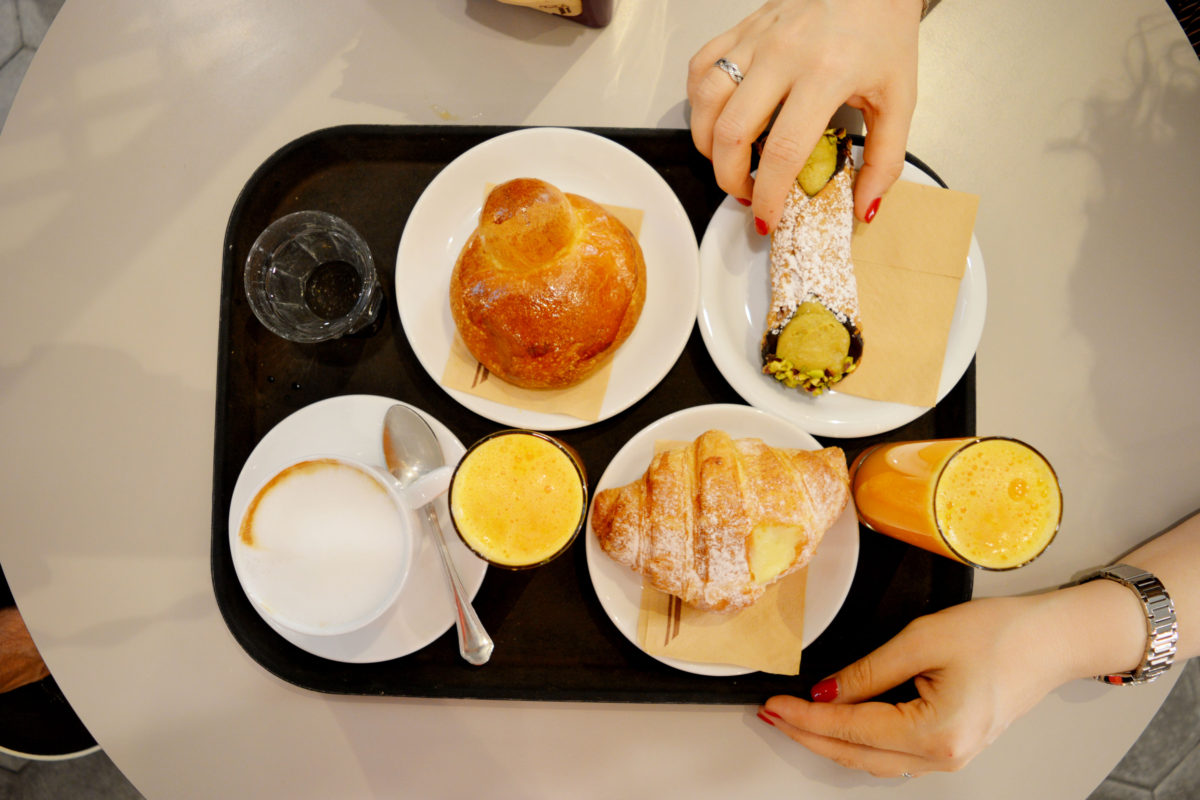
column 1162, row 632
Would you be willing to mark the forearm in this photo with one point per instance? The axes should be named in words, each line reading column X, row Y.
column 1174, row 558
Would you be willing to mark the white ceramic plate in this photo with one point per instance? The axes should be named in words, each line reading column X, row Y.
column 352, row 426
column 830, row 573
column 735, row 291
column 581, row 163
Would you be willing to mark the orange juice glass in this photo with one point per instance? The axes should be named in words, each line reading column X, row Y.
column 991, row 502
column 518, row 498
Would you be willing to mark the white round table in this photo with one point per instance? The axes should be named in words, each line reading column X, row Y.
column 1077, row 123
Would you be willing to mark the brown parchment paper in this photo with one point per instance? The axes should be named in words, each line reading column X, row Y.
column 768, row 636
column 584, row 400
column 909, row 262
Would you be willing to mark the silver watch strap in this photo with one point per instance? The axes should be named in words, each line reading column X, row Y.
column 1162, row 631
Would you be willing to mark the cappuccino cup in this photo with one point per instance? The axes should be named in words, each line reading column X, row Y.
column 325, row 545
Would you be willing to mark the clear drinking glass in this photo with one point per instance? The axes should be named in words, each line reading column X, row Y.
column 518, row 498
column 310, row 277
column 991, row 502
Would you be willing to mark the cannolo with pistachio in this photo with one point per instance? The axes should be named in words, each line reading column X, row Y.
column 813, row 335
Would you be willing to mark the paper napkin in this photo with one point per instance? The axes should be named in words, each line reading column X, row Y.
column 767, row 636
column 909, row 262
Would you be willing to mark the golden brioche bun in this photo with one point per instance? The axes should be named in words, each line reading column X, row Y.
column 548, row 286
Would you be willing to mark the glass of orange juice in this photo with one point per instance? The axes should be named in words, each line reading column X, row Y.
column 990, row 502
column 518, row 498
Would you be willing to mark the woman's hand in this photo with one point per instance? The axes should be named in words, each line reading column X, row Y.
column 811, row 56
column 977, row 667
column 980, row 665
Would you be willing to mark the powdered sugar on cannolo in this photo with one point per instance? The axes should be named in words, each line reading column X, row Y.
column 810, row 252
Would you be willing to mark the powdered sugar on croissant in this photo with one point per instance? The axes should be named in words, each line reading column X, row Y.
column 717, row 521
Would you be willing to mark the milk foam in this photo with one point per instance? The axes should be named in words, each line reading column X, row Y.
column 323, row 545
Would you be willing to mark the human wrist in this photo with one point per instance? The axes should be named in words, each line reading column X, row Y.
column 1100, row 625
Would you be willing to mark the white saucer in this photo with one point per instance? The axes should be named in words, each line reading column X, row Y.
column 581, row 163
column 830, row 573
column 735, row 291
column 352, row 426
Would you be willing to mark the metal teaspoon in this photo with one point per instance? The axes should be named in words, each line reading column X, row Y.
column 411, row 449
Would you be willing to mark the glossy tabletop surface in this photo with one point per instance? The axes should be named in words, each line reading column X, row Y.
column 1077, row 124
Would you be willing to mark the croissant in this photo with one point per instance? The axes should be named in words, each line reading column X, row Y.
column 717, row 521
column 547, row 287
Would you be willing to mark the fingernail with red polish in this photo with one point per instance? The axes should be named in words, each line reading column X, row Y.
column 872, row 209
column 760, row 226
column 771, row 713
column 765, row 719
column 825, row 691
column 743, row 201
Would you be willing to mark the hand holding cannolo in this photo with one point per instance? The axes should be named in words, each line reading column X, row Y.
column 802, row 60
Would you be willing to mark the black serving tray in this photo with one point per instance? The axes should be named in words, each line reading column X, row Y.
column 553, row 638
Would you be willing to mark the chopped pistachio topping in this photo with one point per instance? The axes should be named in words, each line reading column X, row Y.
column 812, row 381
column 813, row 351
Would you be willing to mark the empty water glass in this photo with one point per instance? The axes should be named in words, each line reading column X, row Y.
column 310, row 278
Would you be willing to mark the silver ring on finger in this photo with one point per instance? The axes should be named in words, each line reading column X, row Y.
column 729, row 68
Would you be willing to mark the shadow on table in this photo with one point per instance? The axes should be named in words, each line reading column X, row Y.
column 1145, row 407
